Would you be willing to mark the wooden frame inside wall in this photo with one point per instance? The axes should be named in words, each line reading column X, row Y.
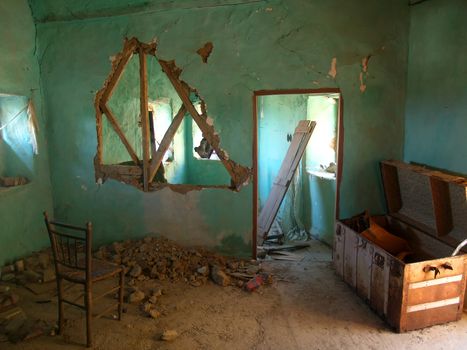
column 142, row 173
column 339, row 153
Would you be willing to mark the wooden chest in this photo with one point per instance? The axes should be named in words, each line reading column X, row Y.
column 428, row 209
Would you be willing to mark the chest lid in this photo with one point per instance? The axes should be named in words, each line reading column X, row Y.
column 433, row 201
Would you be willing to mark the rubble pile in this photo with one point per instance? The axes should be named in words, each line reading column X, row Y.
column 162, row 259
column 37, row 268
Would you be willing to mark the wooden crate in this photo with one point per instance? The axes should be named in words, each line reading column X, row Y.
column 428, row 208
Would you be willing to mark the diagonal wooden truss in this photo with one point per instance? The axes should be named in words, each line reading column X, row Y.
column 142, row 173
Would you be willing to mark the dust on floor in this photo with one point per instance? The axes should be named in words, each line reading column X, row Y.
column 307, row 307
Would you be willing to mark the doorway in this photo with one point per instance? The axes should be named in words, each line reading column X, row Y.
column 310, row 205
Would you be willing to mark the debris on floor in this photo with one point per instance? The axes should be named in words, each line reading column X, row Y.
column 281, row 251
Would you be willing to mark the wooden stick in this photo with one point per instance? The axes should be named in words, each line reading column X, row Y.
column 207, row 130
column 144, row 115
column 121, row 61
column 165, row 143
column 119, row 132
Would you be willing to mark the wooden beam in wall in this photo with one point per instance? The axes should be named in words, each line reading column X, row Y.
column 116, row 127
column 118, row 66
column 165, row 143
column 143, row 78
column 391, row 187
column 207, row 130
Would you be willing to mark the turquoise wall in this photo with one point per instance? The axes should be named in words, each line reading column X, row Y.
column 22, row 228
column 257, row 45
column 436, row 120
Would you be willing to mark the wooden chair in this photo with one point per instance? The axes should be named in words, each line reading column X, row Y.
column 72, row 252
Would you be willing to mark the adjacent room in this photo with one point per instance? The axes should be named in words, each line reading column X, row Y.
column 233, row 174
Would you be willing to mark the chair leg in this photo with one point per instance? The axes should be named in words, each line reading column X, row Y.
column 88, row 302
column 120, row 296
column 61, row 319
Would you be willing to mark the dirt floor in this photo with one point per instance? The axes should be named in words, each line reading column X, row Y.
column 307, row 307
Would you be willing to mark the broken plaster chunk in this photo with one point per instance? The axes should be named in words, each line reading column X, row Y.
column 333, row 70
column 136, row 297
column 136, row 271
column 219, row 276
column 169, row 335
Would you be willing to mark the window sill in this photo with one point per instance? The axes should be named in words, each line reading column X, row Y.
column 322, row 174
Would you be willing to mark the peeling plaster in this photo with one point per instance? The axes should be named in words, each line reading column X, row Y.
column 364, row 73
column 205, row 51
column 333, row 70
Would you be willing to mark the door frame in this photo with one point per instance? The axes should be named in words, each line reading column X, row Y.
column 339, row 143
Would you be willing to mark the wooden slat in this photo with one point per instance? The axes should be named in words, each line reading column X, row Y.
column 110, row 116
column 122, row 170
column 350, row 258
column 143, row 97
column 391, row 187
column 288, row 167
column 395, row 299
column 364, row 262
column 441, row 206
column 430, row 317
column 165, row 143
column 379, row 281
column 434, row 293
column 239, row 175
column 338, row 251
column 417, row 273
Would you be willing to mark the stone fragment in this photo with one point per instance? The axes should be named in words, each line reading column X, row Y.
column 219, row 276
column 8, row 277
column 203, row 270
column 136, row 297
column 32, row 276
column 48, row 275
column 153, row 299
column 136, row 271
column 169, row 335
column 44, row 260
column 154, row 313
column 19, row 266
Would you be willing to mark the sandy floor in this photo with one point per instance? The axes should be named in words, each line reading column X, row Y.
column 308, row 307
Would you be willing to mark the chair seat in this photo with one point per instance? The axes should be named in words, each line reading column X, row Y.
column 101, row 269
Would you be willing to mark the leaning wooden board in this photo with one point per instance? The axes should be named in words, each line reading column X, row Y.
column 429, row 209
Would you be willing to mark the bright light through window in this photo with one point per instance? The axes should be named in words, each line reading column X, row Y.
column 202, row 147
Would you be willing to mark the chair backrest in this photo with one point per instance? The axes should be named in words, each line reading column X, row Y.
column 71, row 245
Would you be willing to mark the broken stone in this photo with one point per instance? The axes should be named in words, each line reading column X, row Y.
column 154, row 313
column 32, row 276
column 253, row 269
column 169, row 335
column 19, row 266
column 219, row 276
column 136, row 297
column 153, row 299
column 204, row 270
column 136, row 271
column 48, row 275
column 44, row 260
column 8, row 277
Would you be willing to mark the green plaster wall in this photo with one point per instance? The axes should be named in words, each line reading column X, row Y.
column 436, row 123
column 257, row 45
column 22, row 229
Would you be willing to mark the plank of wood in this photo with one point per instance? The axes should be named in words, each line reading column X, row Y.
column 110, row 116
column 434, row 293
column 350, row 258
column 441, row 206
column 338, row 248
column 239, row 174
column 122, row 170
column 364, row 261
column 395, row 300
column 391, row 187
column 165, row 143
column 121, row 61
column 418, row 273
column 294, row 246
column 379, row 281
column 143, row 97
column 286, row 172
column 430, row 317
